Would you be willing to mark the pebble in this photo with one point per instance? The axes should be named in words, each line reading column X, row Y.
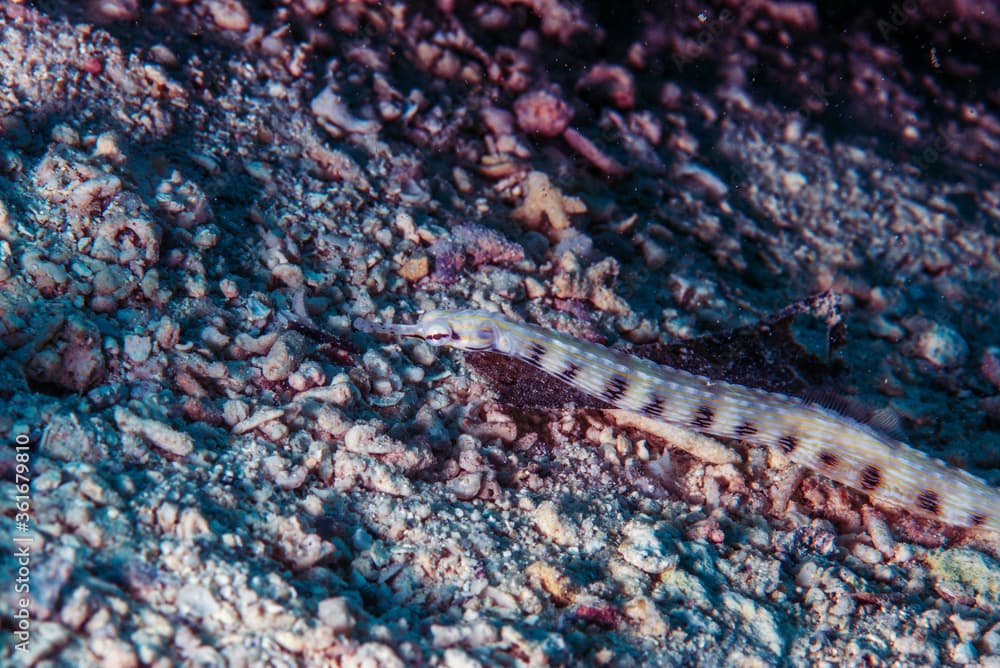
column 465, row 486
column 229, row 288
column 166, row 517
column 76, row 608
column 608, row 82
column 228, row 14
column 423, row 354
column 257, row 345
column 196, row 601
column 256, row 420
column 589, row 150
column 415, row 268
column 413, row 375
column 289, row 274
column 48, row 276
column 336, row 613
column 363, row 440
column 191, row 525
column 114, row 652
column 550, row 522
column 283, row 357
column 880, row 327
column 162, row 436
column 351, row 470
column 702, row 181
column 116, row 10
column 68, row 438
column 552, row 580
column 761, row 624
column 334, row 116
column 213, row 338
column 137, row 348
column 542, row 112
column 867, row 554
column 277, row 470
column 942, row 346
column 648, row 621
column 643, row 549
column 234, row 411
column 793, row 182
column 309, row 374
column 455, row 657
column 991, row 639
column 339, row 392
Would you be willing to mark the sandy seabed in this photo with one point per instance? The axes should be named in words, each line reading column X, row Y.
column 203, row 465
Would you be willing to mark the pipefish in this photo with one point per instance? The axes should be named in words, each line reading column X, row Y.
column 839, row 447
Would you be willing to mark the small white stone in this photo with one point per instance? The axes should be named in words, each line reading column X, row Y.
column 361, row 439
column 414, row 375
column 137, row 348
column 289, row 274
column 554, row 526
column 423, row 354
column 644, row 614
column 357, row 436
column 466, row 486
column 867, row 553
column 234, row 411
column 214, row 338
column 258, row 419
column 229, row 288
column 162, row 436
column 336, row 613
column 643, row 549
column 793, row 182
column 228, row 14
column 942, row 346
column 760, row 622
column 206, row 237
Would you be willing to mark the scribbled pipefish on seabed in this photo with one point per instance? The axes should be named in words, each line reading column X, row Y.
column 839, row 447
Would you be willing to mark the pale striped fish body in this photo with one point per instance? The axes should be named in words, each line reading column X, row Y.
column 837, row 446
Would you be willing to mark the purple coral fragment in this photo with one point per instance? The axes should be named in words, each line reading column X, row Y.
column 449, row 260
column 474, row 244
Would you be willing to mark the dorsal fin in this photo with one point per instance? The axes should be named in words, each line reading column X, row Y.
column 883, row 420
column 888, row 421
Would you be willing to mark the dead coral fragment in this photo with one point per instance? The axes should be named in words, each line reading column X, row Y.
column 182, row 202
column 48, row 277
column 474, row 244
column 541, row 112
column 228, row 14
column 609, row 82
column 64, row 177
column 543, row 203
column 332, row 115
column 73, row 359
column 127, row 233
column 162, row 436
column 596, row 156
column 560, row 20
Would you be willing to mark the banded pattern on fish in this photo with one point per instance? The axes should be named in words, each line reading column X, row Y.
column 837, row 446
